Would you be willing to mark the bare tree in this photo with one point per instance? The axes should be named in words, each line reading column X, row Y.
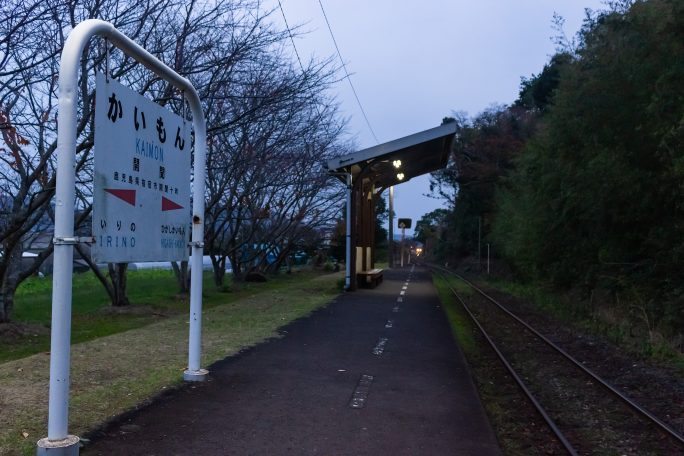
column 32, row 34
column 265, row 177
column 263, row 119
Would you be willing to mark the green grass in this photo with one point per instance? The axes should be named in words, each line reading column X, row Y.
column 617, row 324
column 153, row 294
column 540, row 296
column 461, row 326
column 112, row 374
column 487, row 373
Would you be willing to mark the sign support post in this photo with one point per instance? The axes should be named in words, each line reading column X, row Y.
column 194, row 373
column 58, row 441
column 404, row 223
column 403, row 232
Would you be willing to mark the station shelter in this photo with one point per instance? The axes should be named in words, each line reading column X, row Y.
column 371, row 171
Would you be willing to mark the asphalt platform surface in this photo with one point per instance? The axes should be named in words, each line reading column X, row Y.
column 376, row 372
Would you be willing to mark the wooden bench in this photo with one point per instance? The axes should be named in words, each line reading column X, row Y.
column 370, row 278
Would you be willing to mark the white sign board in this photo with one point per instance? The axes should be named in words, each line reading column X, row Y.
column 141, row 195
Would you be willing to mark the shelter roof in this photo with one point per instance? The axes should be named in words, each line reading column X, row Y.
column 399, row 160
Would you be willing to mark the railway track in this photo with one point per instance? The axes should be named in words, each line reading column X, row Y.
column 585, row 413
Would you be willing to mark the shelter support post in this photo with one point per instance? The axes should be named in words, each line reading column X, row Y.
column 363, row 231
column 364, row 223
column 348, row 245
column 372, row 199
column 368, row 228
column 390, row 246
column 353, row 240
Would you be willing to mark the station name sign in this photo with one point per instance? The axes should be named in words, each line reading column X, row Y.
column 141, row 190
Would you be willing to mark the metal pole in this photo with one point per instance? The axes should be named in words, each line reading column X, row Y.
column 479, row 243
column 347, row 261
column 487, row 258
column 403, row 230
column 60, row 338
column 390, row 248
column 194, row 373
column 58, row 441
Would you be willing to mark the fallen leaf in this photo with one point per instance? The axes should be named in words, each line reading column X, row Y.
column 25, row 434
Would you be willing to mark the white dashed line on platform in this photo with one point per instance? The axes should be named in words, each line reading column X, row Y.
column 380, row 346
column 361, row 391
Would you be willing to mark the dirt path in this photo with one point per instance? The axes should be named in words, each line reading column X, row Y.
column 366, row 375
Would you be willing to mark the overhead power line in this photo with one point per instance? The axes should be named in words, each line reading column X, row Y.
column 289, row 32
column 344, row 67
column 294, row 46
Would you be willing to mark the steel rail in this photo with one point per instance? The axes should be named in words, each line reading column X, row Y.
column 636, row 407
column 521, row 384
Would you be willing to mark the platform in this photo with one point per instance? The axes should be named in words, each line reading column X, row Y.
column 375, row 372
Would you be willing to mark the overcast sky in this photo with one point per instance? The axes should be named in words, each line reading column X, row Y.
column 414, row 62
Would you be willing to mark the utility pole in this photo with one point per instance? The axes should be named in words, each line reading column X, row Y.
column 479, row 243
column 390, row 248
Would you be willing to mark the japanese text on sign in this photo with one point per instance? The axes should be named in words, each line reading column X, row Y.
column 141, row 195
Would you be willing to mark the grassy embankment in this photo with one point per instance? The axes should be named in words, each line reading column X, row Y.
column 474, row 350
column 631, row 329
column 121, row 358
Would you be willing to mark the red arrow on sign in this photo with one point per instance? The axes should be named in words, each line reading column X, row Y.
column 125, row 195
column 168, row 205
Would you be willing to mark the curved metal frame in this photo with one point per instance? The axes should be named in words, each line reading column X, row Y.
column 64, row 216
